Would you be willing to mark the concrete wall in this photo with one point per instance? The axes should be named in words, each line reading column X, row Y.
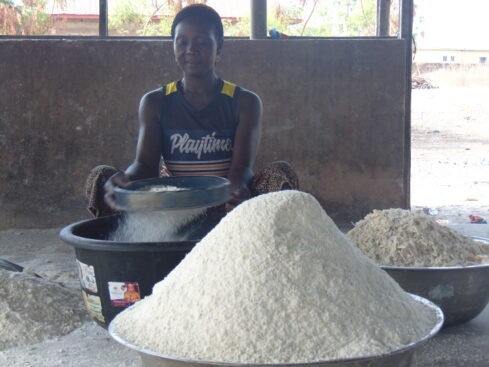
column 333, row 108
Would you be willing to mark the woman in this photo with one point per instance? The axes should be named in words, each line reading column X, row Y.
column 200, row 125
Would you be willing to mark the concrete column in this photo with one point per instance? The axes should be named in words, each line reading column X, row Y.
column 406, row 9
column 383, row 14
column 103, row 23
column 258, row 19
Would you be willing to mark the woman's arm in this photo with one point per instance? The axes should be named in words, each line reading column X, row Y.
column 246, row 142
column 148, row 151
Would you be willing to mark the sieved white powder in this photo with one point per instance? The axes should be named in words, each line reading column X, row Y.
column 401, row 237
column 34, row 309
column 154, row 226
column 275, row 282
column 162, row 188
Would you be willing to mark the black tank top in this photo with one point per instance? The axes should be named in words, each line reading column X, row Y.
column 198, row 142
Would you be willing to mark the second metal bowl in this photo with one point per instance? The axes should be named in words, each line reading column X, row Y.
column 462, row 292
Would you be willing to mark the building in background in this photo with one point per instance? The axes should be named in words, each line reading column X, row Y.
column 75, row 18
column 452, row 31
column 81, row 17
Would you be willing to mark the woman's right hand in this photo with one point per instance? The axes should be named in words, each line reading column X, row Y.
column 119, row 179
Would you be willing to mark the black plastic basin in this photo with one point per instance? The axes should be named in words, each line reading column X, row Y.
column 114, row 275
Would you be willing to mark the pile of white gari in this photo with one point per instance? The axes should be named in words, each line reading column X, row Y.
column 275, row 282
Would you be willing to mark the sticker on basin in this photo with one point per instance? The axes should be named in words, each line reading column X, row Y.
column 93, row 305
column 124, row 294
column 441, row 291
column 87, row 277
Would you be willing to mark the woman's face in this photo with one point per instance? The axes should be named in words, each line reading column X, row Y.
column 195, row 46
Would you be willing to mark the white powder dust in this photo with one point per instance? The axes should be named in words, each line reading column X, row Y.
column 33, row 309
column 400, row 237
column 154, row 226
column 275, row 282
column 162, row 188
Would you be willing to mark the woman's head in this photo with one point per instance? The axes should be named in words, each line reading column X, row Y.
column 202, row 12
column 197, row 39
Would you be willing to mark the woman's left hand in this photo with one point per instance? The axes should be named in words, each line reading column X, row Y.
column 237, row 197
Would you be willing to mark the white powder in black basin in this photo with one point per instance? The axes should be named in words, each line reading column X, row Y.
column 154, row 226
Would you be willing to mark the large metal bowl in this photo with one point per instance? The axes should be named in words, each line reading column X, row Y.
column 399, row 358
column 462, row 292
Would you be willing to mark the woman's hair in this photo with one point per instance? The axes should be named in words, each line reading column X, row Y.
column 200, row 11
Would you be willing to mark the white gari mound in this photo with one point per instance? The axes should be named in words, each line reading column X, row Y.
column 34, row 309
column 275, row 282
column 400, row 237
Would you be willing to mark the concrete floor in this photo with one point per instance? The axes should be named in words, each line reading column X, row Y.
column 40, row 250
column 465, row 345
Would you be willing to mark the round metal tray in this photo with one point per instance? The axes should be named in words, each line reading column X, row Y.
column 198, row 192
column 462, row 292
column 400, row 358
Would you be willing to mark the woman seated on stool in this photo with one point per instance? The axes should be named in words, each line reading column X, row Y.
column 199, row 125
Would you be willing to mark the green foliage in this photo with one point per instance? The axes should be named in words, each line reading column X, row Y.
column 322, row 22
column 26, row 18
column 143, row 17
column 309, row 18
column 128, row 14
column 241, row 28
column 286, row 19
column 343, row 18
column 362, row 20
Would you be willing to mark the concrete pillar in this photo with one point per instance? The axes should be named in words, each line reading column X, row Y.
column 258, row 19
column 406, row 9
column 383, row 14
column 103, row 19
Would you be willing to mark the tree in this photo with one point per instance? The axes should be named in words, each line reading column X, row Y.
column 10, row 17
column 309, row 18
column 29, row 17
column 333, row 18
column 144, row 18
column 362, row 20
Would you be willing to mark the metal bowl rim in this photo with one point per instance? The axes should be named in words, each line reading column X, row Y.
column 221, row 182
column 426, row 302
column 438, row 268
column 434, row 268
column 204, row 192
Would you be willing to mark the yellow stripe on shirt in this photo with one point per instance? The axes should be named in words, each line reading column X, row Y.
column 228, row 88
column 170, row 88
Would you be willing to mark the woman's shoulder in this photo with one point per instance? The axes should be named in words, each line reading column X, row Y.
column 155, row 93
column 240, row 93
column 151, row 101
column 247, row 97
column 153, row 97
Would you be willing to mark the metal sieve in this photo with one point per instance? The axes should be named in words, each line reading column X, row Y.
column 195, row 192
